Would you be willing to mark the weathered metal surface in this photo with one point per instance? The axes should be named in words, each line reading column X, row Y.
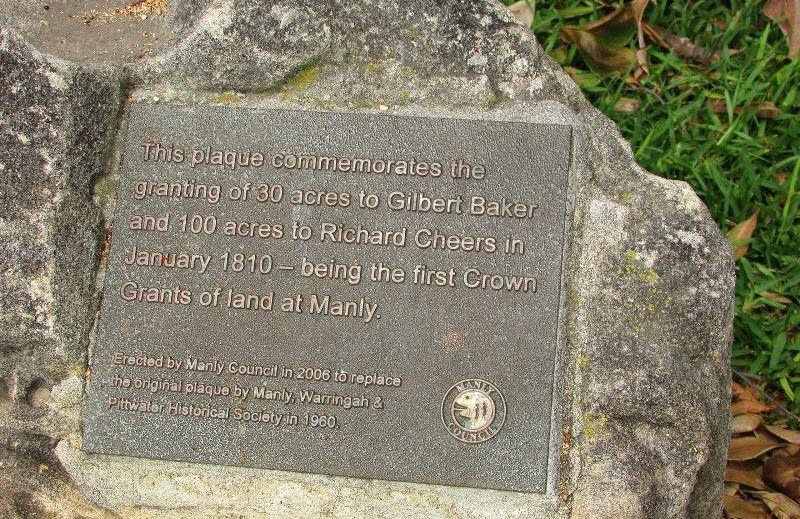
column 354, row 294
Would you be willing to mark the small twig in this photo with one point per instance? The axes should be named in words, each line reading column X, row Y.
column 747, row 380
column 654, row 94
column 640, row 88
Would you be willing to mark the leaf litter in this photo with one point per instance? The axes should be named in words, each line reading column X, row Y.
column 762, row 476
column 787, row 13
column 740, row 235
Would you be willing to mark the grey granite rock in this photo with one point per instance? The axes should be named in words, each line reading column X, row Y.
column 56, row 130
column 650, row 278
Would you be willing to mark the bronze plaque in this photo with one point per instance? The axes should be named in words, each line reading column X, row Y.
column 362, row 295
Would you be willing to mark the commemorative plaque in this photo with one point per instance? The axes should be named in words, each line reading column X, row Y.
column 349, row 294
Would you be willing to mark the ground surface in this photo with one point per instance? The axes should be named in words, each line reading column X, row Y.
column 91, row 30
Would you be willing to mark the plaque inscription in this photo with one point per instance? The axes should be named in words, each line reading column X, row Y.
column 349, row 294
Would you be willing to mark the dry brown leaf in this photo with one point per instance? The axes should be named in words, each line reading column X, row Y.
column 781, row 177
column 633, row 81
column 762, row 109
column 750, row 406
column 730, row 488
column 621, row 20
column 718, row 54
column 738, row 508
column 718, row 106
column 603, row 58
column 740, row 232
column 745, row 423
column 744, row 392
column 627, row 105
column 784, row 471
column 788, row 13
column 784, row 434
column 603, row 43
column 743, row 473
column 776, row 297
column 763, row 432
column 780, row 505
column 766, row 109
column 638, row 7
column 522, row 12
column 749, row 447
column 719, row 23
column 641, row 70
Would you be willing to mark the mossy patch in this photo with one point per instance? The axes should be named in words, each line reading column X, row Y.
column 635, row 269
column 491, row 100
column 226, row 98
column 375, row 68
column 593, row 424
column 574, row 300
column 303, row 78
column 640, row 311
column 299, row 81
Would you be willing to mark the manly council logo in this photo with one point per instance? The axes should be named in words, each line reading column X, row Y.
column 473, row 411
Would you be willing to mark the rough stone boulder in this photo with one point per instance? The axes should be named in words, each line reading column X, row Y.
column 650, row 277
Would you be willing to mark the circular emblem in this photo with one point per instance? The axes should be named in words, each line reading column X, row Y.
column 473, row 411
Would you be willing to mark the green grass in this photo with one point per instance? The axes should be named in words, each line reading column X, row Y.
column 737, row 163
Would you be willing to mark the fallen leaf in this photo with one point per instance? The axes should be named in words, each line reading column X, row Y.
column 765, row 109
column 780, row 177
column 738, row 508
column 603, row 43
column 744, row 392
column 788, row 13
column 638, row 7
column 742, row 231
column 718, row 106
column 719, row 23
column 784, row 471
column 749, row 447
column 730, row 488
column 614, row 29
column 750, row 406
column 603, row 59
column 762, row 109
column 745, row 423
column 780, row 505
column 744, row 474
column 784, row 434
column 627, row 105
column 559, row 54
column 634, row 82
column 775, row 297
column 522, row 12
column 717, row 55
column 583, row 78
